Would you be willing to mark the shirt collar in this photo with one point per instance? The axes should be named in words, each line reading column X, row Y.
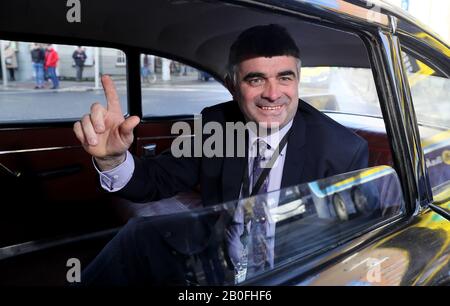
column 273, row 140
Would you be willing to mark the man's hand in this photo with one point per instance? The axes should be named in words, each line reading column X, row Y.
column 104, row 133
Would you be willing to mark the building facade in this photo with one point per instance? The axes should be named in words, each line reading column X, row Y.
column 111, row 61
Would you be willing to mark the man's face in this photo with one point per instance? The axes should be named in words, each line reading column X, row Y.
column 267, row 90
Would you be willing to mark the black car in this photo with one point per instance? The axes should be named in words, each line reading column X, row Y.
column 387, row 79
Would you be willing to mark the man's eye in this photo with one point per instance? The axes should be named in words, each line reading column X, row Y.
column 286, row 79
column 256, row 82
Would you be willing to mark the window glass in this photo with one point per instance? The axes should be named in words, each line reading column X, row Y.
column 56, row 82
column 298, row 221
column 179, row 89
column 430, row 92
column 171, row 88
column 349, row 96
column 340, row 89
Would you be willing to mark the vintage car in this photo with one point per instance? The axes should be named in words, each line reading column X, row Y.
column 383, row 75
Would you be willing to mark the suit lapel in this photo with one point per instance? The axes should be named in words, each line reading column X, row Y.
column 233, row 167
column 293, row 170
column 233, row 171
column 295, row 160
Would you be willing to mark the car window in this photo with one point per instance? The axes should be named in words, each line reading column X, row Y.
column 299, row 221
column 349, row 96
column 430, row 92
column 172, row 88
column 41, row 85
column 340, row 89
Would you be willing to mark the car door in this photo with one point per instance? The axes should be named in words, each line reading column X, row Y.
column 51, row 191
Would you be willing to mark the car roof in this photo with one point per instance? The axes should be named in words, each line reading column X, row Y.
column 200, row 32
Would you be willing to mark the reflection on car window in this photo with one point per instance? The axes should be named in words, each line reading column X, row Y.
column 340, row 89
column 431, row 98
column 240, row 244
column 430, row 91
column 56, row 82
column 172, row 88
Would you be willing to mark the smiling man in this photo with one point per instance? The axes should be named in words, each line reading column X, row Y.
column 264, row 70
column 268, row 89
column 301, row 145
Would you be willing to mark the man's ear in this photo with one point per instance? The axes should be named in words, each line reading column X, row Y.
column 229, row 84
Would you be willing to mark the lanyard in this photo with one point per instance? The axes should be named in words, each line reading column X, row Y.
column 264, row 173
column 241, row 266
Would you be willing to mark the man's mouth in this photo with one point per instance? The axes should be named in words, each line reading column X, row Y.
column 271, row 108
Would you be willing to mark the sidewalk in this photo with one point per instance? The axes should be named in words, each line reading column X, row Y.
column 74, row 86
column 63, row 86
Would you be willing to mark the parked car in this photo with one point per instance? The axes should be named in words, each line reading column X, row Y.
column 351, row 229
column 204, row 76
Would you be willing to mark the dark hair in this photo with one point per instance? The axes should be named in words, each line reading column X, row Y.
column 263, row 40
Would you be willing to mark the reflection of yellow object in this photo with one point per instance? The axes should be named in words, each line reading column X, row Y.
column 358, row 179
column 441, row 137
column 443, row 197
column 374, row 267
column 315, row 75
column 436, row 43
column 364, row 176
column 314, row 71
column 423, row 73
column 393, row 262
column 446, row 157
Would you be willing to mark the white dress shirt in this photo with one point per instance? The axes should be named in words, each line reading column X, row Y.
column 236, row 230
column 115, row 179
column 273, row 140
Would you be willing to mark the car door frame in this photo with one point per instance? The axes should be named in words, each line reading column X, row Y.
column 384, row 48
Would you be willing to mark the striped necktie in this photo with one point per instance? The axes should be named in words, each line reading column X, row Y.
column 259, row 220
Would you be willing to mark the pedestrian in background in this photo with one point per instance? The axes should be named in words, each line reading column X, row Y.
column 38, row 59
column 79, row 56
column 11, row 60
column 148, row 76
column 51, row 61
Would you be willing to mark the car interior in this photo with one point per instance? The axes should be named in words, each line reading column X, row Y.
column 53, row 206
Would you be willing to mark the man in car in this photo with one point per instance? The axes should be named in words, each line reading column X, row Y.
column 303, row 144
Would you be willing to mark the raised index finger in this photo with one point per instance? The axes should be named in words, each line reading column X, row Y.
column 112, row 97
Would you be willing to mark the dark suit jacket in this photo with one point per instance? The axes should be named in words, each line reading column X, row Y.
column 318, row 147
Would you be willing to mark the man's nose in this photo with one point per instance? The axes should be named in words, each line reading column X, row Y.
column 271, row 90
